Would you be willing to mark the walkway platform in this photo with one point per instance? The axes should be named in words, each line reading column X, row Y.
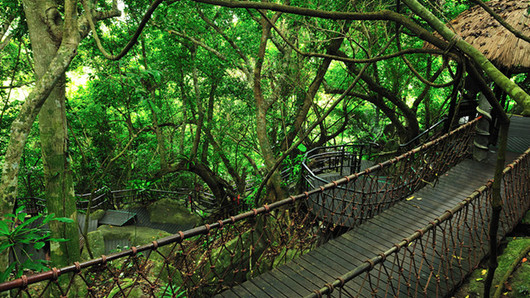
column 341, row 255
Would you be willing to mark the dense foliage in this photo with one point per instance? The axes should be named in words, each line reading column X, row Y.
column 211, row 97
column 184, row 94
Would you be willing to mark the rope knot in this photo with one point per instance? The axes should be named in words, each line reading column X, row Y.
column 372, row 264
column 181, row 234
column 330, row 287
column 24, row 281
column 77, row 267
column 55, row 273
column 342, row 281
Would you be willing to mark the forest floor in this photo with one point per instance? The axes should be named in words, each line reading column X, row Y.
column 514, row 264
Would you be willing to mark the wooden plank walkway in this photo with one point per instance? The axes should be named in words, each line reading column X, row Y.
column 349, row 251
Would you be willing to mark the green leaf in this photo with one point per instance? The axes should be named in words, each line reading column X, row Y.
column 302, row 148
column 48, row 218
column 21, row 216
column 28, row 221
column 58, row 239
column 5, row 246
column 19, row 209
column 4, row 228
column 64, row 219
column 39, row 245
column 5, row 274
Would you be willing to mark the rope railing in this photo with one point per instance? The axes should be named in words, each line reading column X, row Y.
column 211, row 258
column 435, row 259
column 379, row 187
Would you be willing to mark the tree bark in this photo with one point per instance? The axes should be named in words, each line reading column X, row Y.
column 496, row 206
column 60, row 198
column 263, row 105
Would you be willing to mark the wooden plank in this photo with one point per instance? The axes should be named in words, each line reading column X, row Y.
column 234, row 292
column 253, row 290
column 289, row 281
column 266, row 285
column 277, row 283
column 299, row 274
column 321, row 266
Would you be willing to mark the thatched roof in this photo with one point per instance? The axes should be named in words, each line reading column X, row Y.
column 498, row 44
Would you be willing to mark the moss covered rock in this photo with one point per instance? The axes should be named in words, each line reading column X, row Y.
column 136, row 235
column 168, row 211
column 519, row 279
column 97, row 245
column 97, row 214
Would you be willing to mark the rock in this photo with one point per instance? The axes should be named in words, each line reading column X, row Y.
column 97, row 245
column 97, row 214
column 136, row 235
column 168, row 211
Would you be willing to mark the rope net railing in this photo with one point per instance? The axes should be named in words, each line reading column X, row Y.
column 211, row 258
column 434, row 260
column 379, row 187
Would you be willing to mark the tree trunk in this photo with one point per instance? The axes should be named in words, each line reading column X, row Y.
column 21, row 126
column 274, row 188
column 60, row 197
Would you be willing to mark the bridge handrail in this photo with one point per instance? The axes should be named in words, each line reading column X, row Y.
column 367, row 193
column 359, row 152
column 235, row 225
column 482, row 195
column 416, row 138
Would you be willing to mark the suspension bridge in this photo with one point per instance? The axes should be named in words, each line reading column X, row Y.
column 413, row 225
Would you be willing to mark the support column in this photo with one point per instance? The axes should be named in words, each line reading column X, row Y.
column 481, row 142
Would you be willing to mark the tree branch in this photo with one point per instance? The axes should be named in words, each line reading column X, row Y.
column 383, row 15
column 509, row 27
column 91, row 19
column 518, row 94
column 230, row 41
column 199, row 43
column 368, row 60
column 302, row 138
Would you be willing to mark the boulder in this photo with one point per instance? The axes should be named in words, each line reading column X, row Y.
column 135, row 235
column 168, row 211
column 97, row 214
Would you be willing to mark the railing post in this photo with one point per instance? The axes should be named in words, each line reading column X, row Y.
column 341, row 162
column 481, row 142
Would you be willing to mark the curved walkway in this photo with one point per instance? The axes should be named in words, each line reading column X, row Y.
column 320, row 267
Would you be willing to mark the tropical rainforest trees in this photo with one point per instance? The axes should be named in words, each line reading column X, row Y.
column 213, row 92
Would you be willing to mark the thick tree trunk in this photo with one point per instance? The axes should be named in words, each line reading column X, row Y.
column 274, row 188
column 48, row 76
column 60, row 197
